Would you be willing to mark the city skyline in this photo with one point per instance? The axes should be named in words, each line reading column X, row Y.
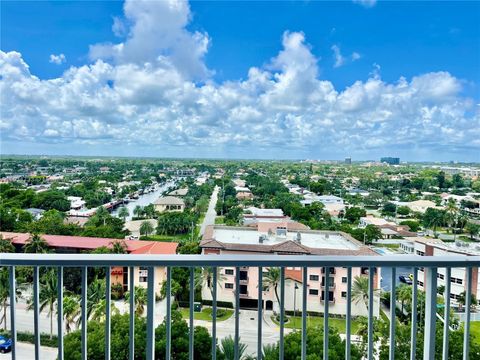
column 164, row 79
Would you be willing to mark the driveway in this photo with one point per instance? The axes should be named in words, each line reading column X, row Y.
column 26, row 351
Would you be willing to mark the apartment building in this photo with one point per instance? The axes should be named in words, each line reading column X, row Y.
column 279, row 240
column 432, row 247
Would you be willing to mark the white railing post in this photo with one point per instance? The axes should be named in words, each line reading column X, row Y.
column 168, row 349
column 304, row 314
column 348, row 315
column 259, row 313
column 371, row 286
column 413, row 344
column 393, row 305
column 325, row 312
column 108, row 311
column 282, row 313
column 60, row 312
column 131, row 332
column 150, row 351
column 214, row 314
column 84, row 315
column 430, row 313
column 237, row 313
column 13, row 302
column 191, row 333
column 468, row 302
column 446, row 324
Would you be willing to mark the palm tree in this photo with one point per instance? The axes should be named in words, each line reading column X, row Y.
column 146, row 228
column 118, row 247
column 95, row 294
column 36, row 245
column 473, row 229
column 140, row 299
column 102, row 214
column 99, row 310
column 451, row 213
column 360, row 290
column 137, row 211
column 123, row 213
column 227, row 348
column 403, row 294
column 462, row 299
column 272, row 279
column 71, row 310
column 48, row 295
column 206, row 278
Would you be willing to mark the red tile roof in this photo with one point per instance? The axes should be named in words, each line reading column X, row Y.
column 293, row 274
column 90, row 243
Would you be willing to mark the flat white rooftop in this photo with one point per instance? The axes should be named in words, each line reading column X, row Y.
column 311, row 239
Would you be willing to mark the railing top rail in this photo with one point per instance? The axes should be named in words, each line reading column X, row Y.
column 96, row 260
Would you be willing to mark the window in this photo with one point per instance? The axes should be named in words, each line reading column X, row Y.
column 243, row 275
column 420, row 283
column 441, row 276
column 143, row 279
column 228, row 286
column 421, row 253
column 330, row 295
column 313, row 291
column 344, row 279
column 456, row 280
column 344, row 294
column 314, row 277
column 331, row 281
column 228, row 271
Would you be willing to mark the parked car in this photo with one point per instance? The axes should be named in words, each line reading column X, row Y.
column 5, row 344
column 405, row 280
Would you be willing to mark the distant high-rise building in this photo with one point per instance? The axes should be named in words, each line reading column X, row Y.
column 348, row 160
column 390, row 160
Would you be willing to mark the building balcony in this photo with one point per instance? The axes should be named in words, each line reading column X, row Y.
column 107, row 262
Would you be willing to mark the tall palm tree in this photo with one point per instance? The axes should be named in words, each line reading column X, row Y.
column 403, row 294
column 71, row 310
column 451, row 214
column 360, row 290
column 123, row 213
column 36, row 245
column 95, row 294
column 272, row 279
column 146, row 228
column 99, row 310
column 47, row 295
column 206, row 278
column 102, row 214
column 140, row 299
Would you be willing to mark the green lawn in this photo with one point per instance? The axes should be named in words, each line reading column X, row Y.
column 475, row 331
column 339, row 324
column 166, row 238
column 206, row 314
column 219, row 220
column 389, row 246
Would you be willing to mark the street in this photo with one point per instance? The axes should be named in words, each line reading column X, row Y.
column 211, row 214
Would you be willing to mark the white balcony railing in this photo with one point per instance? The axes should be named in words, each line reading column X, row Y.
column 84, row 261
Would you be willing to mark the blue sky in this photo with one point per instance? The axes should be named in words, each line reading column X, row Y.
column 326, row 73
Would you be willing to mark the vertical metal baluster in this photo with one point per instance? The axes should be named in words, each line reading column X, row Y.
column 84, row 313
column 370, row 312
column 348, row 314
column 430, row 313
column 60, row 312
column 413, row 344
column 108, row 311
column 446, row 324
column 260, row 313
column 304, row 315
column 150, row 351
column 131, row 333
column 191, row 303
column 169, row 313
column 282, row 312
column 468, row 302
column 214, row 314
column 393, row 305
column 237, row 311
column 326, row 296
column 36, row 311
column 13, row 304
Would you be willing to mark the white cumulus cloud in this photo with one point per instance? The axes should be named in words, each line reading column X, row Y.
column 57, row 59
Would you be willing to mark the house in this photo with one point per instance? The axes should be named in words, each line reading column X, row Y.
column 169, row 203
column 134, row 226
column 77, row 244
column 276, row 239
column 179, row 192
column 243, row 193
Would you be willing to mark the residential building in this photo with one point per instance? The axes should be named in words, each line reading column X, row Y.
column 276, row 239
column 179, row 192
column 169, row 203
column 243, row 193
column 433, row 247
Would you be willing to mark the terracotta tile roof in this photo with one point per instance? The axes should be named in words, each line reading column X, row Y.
column 293, row 274
column 90, row 243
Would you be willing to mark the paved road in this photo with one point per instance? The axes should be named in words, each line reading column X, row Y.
column 26, row 351
column 211, row 214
